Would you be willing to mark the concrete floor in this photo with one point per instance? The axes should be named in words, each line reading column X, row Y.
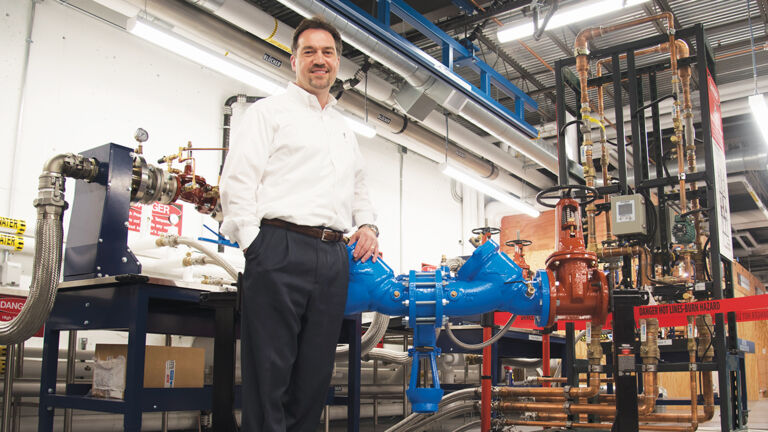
column 758, row 422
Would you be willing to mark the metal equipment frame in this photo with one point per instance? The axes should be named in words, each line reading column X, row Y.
column 731, row 381
column 139, row 305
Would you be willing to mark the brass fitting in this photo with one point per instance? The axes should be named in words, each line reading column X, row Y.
column 649, row 350
column 594, row 349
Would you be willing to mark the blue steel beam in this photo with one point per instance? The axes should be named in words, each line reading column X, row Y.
column 379, row 28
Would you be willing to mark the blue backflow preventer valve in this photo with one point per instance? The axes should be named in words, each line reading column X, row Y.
column 488, row 281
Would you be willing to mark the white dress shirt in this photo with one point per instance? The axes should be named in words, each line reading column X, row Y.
column 290, row 159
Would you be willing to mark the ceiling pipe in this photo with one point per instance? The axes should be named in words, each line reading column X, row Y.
column 445, row 94
column 188, row 18
column 268, row 28
column 736, row 161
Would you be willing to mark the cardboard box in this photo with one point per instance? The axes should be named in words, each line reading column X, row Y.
column 164, row 367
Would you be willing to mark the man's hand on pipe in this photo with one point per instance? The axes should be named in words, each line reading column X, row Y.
column 366, row 244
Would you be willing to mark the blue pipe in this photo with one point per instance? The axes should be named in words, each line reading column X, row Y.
column 488, row 281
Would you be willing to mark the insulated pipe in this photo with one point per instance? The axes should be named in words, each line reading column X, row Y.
column 268, row 28
column 190, row 18
column 49, row 238
column 424, row 81
column 175, row 240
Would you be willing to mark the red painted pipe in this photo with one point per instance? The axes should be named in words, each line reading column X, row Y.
column 545, row 357
column 485, row 405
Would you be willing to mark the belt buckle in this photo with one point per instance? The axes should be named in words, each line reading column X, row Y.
column 327, row 235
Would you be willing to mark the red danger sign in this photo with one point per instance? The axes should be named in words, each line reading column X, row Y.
column 750, row 308
column 10, row 308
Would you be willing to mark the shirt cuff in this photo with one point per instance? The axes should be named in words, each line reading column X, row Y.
column 365, row 217
column 246, row 236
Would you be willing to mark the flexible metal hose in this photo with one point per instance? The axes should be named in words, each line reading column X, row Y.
column 458, row 409
column 467, row 426
column 490, row 341
column 42, row 292
column 49, row 239
column 447, row 400
column 399, row 357
column 370, row 339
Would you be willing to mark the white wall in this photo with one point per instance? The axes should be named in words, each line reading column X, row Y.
column 90, row 83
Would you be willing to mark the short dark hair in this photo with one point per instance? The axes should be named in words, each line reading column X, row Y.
column 315, row 23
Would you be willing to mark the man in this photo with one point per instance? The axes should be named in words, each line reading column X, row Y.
column 293, row 182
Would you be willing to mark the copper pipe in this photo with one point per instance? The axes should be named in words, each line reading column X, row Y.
column 644, row 269
column 646, row 402
column 571, row 393
column 606, row 426
column 744, row 51
column 533, row 53
column 692, row 360
column 581, row 51
column 564, row 380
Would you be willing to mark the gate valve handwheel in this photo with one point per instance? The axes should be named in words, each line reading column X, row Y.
column 520, row 243
column 544, row 197
column 519, row 255
column 485, row 233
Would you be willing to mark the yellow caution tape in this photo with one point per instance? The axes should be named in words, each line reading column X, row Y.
column 594, row 120
column 11, row 241
column 274, row 42
column 17, row 225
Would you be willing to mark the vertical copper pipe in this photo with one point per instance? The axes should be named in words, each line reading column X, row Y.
column 692, row 373
column 582, row 68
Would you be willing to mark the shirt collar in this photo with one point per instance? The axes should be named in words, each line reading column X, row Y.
column 308, row 98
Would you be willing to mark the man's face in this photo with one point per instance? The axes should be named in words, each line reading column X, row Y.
column 316, row 61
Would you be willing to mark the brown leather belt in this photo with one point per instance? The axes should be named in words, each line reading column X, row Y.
column 324, row 234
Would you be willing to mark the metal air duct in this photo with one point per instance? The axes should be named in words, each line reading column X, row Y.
column 442, row 92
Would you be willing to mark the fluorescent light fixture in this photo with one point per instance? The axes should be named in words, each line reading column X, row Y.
column 479, row 185
column 200, row 54
column 360, row 127
column 760, row 111
column 565, row 16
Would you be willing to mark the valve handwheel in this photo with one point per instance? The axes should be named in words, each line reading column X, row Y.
column 547, row 195
column 521, row 243
column 486, row 230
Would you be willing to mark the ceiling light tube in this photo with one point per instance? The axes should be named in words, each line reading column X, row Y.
column 201, row 55
column 479, row 185
column 360, row 127
column 565, row 16
column 760, row 111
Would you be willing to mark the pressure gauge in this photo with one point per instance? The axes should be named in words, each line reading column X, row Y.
column 141, row 135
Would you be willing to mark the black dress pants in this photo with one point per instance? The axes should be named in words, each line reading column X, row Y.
column 293, row 299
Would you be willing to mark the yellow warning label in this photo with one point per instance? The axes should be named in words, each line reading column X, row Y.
column 17, row 225
column 12, row 241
